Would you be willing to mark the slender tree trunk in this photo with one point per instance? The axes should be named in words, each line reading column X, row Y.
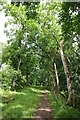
column 13, row 80
column 54, row 88
column 54, row 81
column 69, row 101
column 57, row 79
column 26, row 75
column 13, row 83
column 19, row 63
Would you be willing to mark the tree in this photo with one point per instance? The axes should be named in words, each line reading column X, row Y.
column 69, row 21
column 69, row 101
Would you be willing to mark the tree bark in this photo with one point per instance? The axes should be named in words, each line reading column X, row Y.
column 57, row 79
column 69, row 101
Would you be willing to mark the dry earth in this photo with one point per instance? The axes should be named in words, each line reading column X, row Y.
column 44, row 111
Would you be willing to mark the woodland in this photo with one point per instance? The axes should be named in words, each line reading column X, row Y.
column 42, row 53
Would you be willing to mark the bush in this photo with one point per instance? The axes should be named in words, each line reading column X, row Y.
column 7, row 75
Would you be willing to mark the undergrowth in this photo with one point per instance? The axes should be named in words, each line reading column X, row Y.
column 60, row 109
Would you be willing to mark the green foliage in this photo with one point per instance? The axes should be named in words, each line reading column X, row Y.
column 0, row 54
column 6, row 76
column 31, row 42
column 69, row 21
column 69, row 17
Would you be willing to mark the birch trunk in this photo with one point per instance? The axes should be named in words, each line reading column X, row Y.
column 57, row 79
column 69, row 86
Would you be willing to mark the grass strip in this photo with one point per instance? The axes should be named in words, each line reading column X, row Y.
column 21, row 104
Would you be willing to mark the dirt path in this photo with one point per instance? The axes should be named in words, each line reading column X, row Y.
column 44, row 111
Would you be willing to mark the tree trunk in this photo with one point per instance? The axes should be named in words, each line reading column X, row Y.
column 26, row 75
column 54, row 81
column 19, row 63
column 54, row 88
column 57, row 79
column 69, row 101
column 13, row 83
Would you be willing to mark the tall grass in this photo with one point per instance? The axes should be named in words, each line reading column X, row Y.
column 61, row 110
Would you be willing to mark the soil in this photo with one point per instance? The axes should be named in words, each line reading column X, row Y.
column 44, row 110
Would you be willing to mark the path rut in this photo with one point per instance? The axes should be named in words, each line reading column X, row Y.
column 44, row 110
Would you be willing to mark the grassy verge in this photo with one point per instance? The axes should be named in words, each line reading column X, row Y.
column 61, row 110
column 20, row 104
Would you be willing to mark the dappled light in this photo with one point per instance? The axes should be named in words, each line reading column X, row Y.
column 18, row 106
column 46, row 109
column 18, row 93
column 37, row 91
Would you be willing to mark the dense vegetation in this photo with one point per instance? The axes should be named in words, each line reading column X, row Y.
column 43, row 49
column 61, row 110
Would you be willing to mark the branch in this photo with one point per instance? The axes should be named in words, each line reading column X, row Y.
column 61, row 43
column 76, row 71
